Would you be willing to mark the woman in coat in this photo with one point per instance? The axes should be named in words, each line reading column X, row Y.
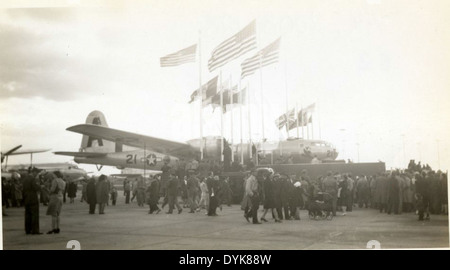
column 102, row 191
column 269, row 198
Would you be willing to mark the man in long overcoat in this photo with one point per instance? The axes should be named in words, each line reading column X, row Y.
column 102, row 190
column 91, row 195
column 31, row 202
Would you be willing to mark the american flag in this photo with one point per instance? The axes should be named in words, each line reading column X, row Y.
column 268, row 55
column 183, row 56
column 233, row 47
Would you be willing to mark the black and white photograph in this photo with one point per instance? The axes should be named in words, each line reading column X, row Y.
column 224, row 126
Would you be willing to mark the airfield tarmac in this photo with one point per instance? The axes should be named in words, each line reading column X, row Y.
column 129, row 227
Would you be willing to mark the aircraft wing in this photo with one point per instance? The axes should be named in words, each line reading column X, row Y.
column 135, row 140
column 28, row 151
column 80, row 154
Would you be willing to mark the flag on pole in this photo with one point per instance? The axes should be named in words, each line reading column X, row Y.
column 215, row 101
column 232, row 48
column 236, row 96
column 209, row 90
column 268, row 55
column 310, row 108
column 291, row 118
column 280, row 122
column 226, row 100
column 300, row 120
column 183, row 56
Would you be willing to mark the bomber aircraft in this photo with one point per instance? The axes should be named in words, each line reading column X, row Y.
column 105, row 146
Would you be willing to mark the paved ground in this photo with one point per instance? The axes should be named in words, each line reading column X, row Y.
column 129, row 227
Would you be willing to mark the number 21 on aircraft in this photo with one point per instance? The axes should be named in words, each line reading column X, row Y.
column 131, row 159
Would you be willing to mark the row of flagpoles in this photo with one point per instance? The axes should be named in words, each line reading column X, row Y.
column 232, row 48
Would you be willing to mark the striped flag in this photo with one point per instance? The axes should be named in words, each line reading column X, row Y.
column 232, row 48
column 183, row 56
column 268, row 55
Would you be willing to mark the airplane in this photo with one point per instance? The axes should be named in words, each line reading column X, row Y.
column 105, row 146
column 70, row 172
column 15, row 151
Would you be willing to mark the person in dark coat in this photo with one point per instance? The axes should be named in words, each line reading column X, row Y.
column 102, row 192
column 382, row 192
column 153, row 195
column 113, row 195
column 277, row 186
column 423, row 188
column 343, row 194
column 91, row 195
column 72, row 191
column 126, row 190
column 31, row 202
column 213, row 186
column 444, row 193
column 172, row 193
column 286, row 190
column 269, row 197
column 393, row 194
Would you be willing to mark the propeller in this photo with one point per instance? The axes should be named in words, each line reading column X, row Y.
column 10, row 152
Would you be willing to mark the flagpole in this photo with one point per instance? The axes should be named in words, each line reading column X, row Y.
column 307, row 126
column 318, row 119
column 240, row 122
column 262, row 97
column 221, row 115
column 303, row 133
column 231, row 121
column 296, row 118
column 200, row 93
column 249, row 122
column 312, row 128
column 287, row 101
column 145, row 159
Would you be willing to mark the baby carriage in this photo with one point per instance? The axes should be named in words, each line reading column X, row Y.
column 321, row 207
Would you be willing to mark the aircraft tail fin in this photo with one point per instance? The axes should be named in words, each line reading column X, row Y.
column 94, row 144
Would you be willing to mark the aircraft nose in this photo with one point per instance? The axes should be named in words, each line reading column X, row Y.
column 335, row 153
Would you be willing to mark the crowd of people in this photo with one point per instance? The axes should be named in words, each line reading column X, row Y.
column 203, row 187
column 29, row 190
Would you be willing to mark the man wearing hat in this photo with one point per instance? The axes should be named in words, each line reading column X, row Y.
column 172, row 192
column 251, row 190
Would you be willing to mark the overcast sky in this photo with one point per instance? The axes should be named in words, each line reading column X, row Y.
column 377, row 70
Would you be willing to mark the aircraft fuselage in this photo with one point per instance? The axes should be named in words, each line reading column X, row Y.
column 137, row 159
